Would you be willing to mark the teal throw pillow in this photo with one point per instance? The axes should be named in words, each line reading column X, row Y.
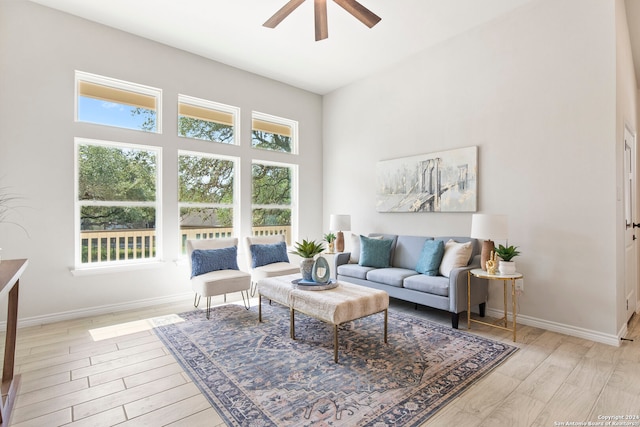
column 430, row 257
column 268, row 254
column 375, row 252
column 207, row 260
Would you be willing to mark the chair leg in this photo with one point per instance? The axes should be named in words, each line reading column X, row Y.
column 253, row 288
column 196, row 301
column 208, row 306
column 225, row 298
column 247, row 303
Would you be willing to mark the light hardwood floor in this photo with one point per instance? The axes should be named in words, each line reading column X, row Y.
column 112, row 370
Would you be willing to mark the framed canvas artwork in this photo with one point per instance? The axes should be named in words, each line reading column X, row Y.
column 444, row 181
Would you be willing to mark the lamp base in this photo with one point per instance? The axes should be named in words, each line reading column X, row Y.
column 487, row 247
column 340, row 242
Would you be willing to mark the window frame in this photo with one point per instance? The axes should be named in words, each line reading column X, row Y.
column 109, row 82
column 292, row 124
column 214, row 106
column 78, row 204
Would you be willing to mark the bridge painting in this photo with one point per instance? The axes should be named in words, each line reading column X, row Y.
column 436, row 182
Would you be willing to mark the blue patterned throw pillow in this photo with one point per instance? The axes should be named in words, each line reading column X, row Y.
column 430, row 257
column 375, row 252
column 268, row 254
column 208, row 260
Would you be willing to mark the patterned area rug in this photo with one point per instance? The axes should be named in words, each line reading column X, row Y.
column 255, row 375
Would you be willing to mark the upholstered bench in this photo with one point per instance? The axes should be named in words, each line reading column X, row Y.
column 344, row 303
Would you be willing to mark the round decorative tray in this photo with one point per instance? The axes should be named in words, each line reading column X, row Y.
column 314, row 286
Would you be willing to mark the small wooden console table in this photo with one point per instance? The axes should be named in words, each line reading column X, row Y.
column 10, row 272
column 506, row 278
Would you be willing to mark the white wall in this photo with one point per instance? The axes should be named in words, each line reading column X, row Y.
column 536, row 92
column 39, row 50
column 627, row 113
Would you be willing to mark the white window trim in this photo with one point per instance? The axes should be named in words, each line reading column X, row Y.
column 123, row 85
column 103, row 266
column 212, row 105
column 293, row 124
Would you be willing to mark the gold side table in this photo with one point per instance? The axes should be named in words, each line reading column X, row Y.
column 506, row 278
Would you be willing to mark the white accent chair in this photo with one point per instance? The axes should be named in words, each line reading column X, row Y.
column 269, row 270
column 219, row 282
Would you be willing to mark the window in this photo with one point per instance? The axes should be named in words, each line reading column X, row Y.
column 273, row 198
column 112, row 102
column 117, row 203
column 274, row 133
column 207, row 120
column 206, row 195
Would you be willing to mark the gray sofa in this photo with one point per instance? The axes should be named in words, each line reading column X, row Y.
column 402, row 281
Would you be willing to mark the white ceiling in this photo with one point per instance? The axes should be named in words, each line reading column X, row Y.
column 231, row 32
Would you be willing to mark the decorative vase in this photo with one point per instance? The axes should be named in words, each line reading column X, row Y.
column 507, row 267
column 306, row 267
column 332, row 246
column 321, row 272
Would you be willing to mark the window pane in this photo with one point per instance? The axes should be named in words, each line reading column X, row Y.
column 207, row 120
column 190, row 127
column 205, row 180
column 271, row 185
column 111, row 233
column 273, row 133
column 113, row 114
column 116, row 174
column 265, row 218
column 271, row 141
column 205, row 223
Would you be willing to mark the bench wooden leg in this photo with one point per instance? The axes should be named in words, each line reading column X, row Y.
column 335, row 343
column 386, row 317
column 292, row 324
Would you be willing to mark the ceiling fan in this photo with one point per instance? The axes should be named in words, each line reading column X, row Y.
column 360, row 12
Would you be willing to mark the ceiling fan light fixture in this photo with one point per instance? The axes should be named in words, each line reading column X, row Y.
column 354, row 7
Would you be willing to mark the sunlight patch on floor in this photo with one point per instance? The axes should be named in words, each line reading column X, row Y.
column 121, row 329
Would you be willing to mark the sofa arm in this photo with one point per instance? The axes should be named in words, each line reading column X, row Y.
column 458, row 287
column 342, row 258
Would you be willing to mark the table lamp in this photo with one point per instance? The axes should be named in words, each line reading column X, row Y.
column 487, row 227
column 339, row 223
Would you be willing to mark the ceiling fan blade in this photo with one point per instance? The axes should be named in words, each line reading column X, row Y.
column 282, row 13
column 320, row 10
column 360, row 12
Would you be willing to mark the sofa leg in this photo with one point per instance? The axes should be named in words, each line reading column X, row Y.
column 482, row 308
column 454, row 320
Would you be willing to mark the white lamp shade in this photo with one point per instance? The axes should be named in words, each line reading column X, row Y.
column 489, row 227
column 340, row 222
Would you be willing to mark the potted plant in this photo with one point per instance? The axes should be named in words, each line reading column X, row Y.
column 506, row 254
column 307, row 250
column 330, row 238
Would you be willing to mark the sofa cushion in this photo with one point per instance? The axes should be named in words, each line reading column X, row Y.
column 375, row 252
column 437, row 285
column 207, row 260
column 354, row 270
column 407, row 251
column 390, row 276
column 354, row 256
column 265, row 254
column 430, row 257
column 455, row 255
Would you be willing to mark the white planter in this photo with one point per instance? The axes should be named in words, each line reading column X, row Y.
column 507, row 267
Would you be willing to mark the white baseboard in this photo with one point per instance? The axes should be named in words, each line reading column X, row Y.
column 562, row 328
column 96, row 311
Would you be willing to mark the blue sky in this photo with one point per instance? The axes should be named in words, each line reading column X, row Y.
column 108, row 113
